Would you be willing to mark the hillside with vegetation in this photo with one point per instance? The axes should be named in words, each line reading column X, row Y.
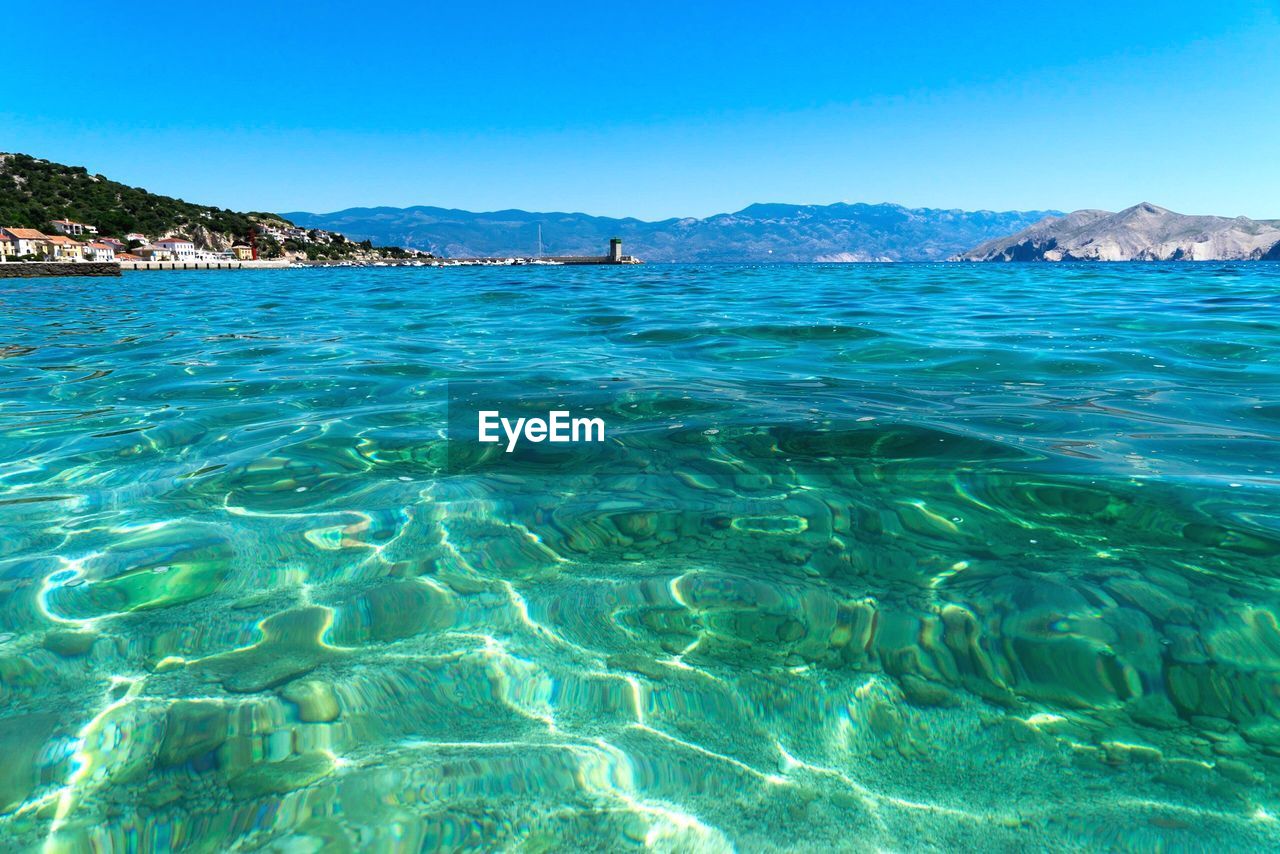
column 35, row 192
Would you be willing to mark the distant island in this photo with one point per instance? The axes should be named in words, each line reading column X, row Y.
column 1144, row 232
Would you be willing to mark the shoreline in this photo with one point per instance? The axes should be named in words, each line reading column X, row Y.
column 567, row 260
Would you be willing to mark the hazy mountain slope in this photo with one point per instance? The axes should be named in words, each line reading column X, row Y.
column 762, row 232
column 1144, row 232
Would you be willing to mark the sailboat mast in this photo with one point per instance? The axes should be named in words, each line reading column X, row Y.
column 539, row 240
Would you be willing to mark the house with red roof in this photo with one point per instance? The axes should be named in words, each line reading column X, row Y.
column 67, row 226
column 27, row 241
column 182, row 248
column 154, row 253
column 63, row 248
column 99, row 251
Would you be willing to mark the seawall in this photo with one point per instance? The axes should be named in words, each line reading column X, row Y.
column 44, row 269
column 204, row 265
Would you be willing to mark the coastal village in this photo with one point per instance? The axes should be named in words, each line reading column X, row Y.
column 59, row 220
column 80, row 242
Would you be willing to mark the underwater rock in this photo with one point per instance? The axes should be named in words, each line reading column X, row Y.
column 316, row 700
column 1237, row 772
column 1155, row 600
column 21, row 738
column 1198, row 690
column 278, row 778
column 924, row 694
column 393, row 610
column 1248, row 638
column 1153, row 710
column 291, row 646
column 854, row 630
column 779, row 525
column 69, row 644
column 150, row 569
column 638, row 663
column 1263, row 732
column 1184, row 644
column 884, row 722
column 907, row 643
column 192, row 728
column 636, row 525
column 501, row 551
column 962, row 636
column 1119, row 752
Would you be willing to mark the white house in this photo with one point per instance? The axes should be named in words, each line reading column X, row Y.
column 27, row 241
column 154, row 253
column 66, row 226
column 182, row 248
column 133, row 235
column 99, row 252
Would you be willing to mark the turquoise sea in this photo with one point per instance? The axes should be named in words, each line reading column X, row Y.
column 875, row 557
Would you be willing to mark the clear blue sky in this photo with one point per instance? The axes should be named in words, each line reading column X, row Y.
column 657, row 109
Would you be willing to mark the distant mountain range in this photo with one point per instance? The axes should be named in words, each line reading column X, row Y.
column 34, row 192
column 1144, row 232
column 759, row 233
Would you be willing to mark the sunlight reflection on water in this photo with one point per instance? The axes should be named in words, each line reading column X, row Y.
column 886, row 553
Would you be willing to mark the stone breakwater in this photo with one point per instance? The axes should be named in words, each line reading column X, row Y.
column 275, row 264
column 44, row 269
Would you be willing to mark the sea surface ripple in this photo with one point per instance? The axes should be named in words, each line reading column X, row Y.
column 876, row 557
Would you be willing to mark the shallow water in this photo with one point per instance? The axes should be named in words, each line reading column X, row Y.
column 875, row 557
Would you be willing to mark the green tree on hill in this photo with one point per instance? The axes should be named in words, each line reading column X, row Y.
column 34, row 193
